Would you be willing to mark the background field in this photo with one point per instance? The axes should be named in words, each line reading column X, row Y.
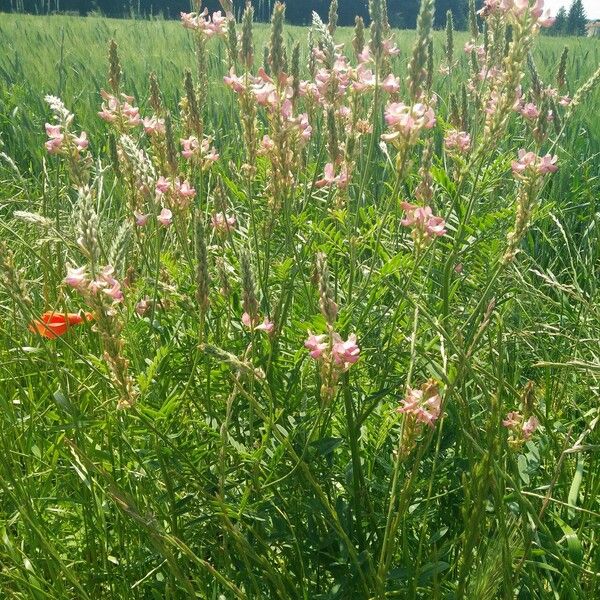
column 67, row 56
column 166, row 499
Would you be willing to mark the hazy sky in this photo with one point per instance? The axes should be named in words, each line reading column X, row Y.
column 592, row 7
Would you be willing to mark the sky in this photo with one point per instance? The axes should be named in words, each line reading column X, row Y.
column 592, row 7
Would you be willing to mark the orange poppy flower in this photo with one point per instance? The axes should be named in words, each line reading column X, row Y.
column 54, row 324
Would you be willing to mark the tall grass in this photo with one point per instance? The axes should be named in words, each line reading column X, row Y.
column 240, row 470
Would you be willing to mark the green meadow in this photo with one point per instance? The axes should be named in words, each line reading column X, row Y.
column 162, row 447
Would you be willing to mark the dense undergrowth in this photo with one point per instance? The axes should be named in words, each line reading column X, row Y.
column 329, row 329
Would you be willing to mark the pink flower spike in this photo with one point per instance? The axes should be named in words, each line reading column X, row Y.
column 246, row 320
column 184, row 189
column 190, row 147
column 547, row 164
column 530, row 426
column 53, row 131
column 81, row 142
column 512, row 419
column 316, row 345
column 530, row 111
column 141, row 219
column 162, row 185
column 391, row 84
column 76, row 277
column 423, row 404
column 328, row 176
column 345, row 353
column 266, row 326
column 165, row 218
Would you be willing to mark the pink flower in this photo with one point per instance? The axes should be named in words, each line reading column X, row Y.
column 345, row 353
column 458, row 140
column 141, row 219
column 423, row 221
column 189, row 20
column 512, row 419
column 115, row 292
column 154, row 126
column 184, row 190
column 329, row 177
column 546, row 20
column 526, row 161
column 316, row 345
column 423, row 404
column 390, row 48
column 237, row 84
column 564, row 101
column 162, row 185
column 53, row 131
column 530, row 111
column 132, row 113
column 76, row 277
column 530, row 163
column 246, row 320
column 54, row 144
column 365, row 79
column 407, row 121
column 267, row 144
column 266, row 326
column 190, row 146
column 391, row 84
column 364, row 56
column 165, row 218
column 81, row 142
column 223, row 223
column 529, row 427
column 547, row 164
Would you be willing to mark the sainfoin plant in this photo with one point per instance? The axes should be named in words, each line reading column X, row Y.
column 277, row 357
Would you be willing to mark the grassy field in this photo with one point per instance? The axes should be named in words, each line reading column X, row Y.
column 180, row 441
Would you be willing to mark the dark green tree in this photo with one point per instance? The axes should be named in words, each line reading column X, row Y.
column 560, row 25
column 576, row 20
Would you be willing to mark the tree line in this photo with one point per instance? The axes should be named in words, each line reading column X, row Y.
column 571, row 22
column 402, row 13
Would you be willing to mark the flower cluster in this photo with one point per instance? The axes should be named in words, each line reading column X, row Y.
column 103, row 282
column 407, row 122
column 517, row 9
column 332, row 347
column 424, row 404
column 530, row 165
column 421, row 407
column 200, row 152
column 267, row 325
column 457, row 141
column 209, row 26
column 424, row 224
column 330, row 178
column 520, row 429
column 120, row 112
column 223, row 223
column 64, row 142
column 154, row 126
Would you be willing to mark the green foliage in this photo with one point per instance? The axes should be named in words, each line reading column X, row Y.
column 232, row 477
